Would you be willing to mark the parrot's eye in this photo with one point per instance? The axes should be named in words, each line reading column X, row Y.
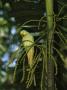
column 22, row 34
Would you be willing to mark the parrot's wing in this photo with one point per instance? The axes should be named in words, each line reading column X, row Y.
column 30, row 55
column 28, row 42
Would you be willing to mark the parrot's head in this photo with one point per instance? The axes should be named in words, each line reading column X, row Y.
column 23, row 33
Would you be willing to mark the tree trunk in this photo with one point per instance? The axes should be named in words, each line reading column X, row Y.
column 50, row 66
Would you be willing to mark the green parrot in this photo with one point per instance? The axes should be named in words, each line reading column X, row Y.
column 28, row 41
